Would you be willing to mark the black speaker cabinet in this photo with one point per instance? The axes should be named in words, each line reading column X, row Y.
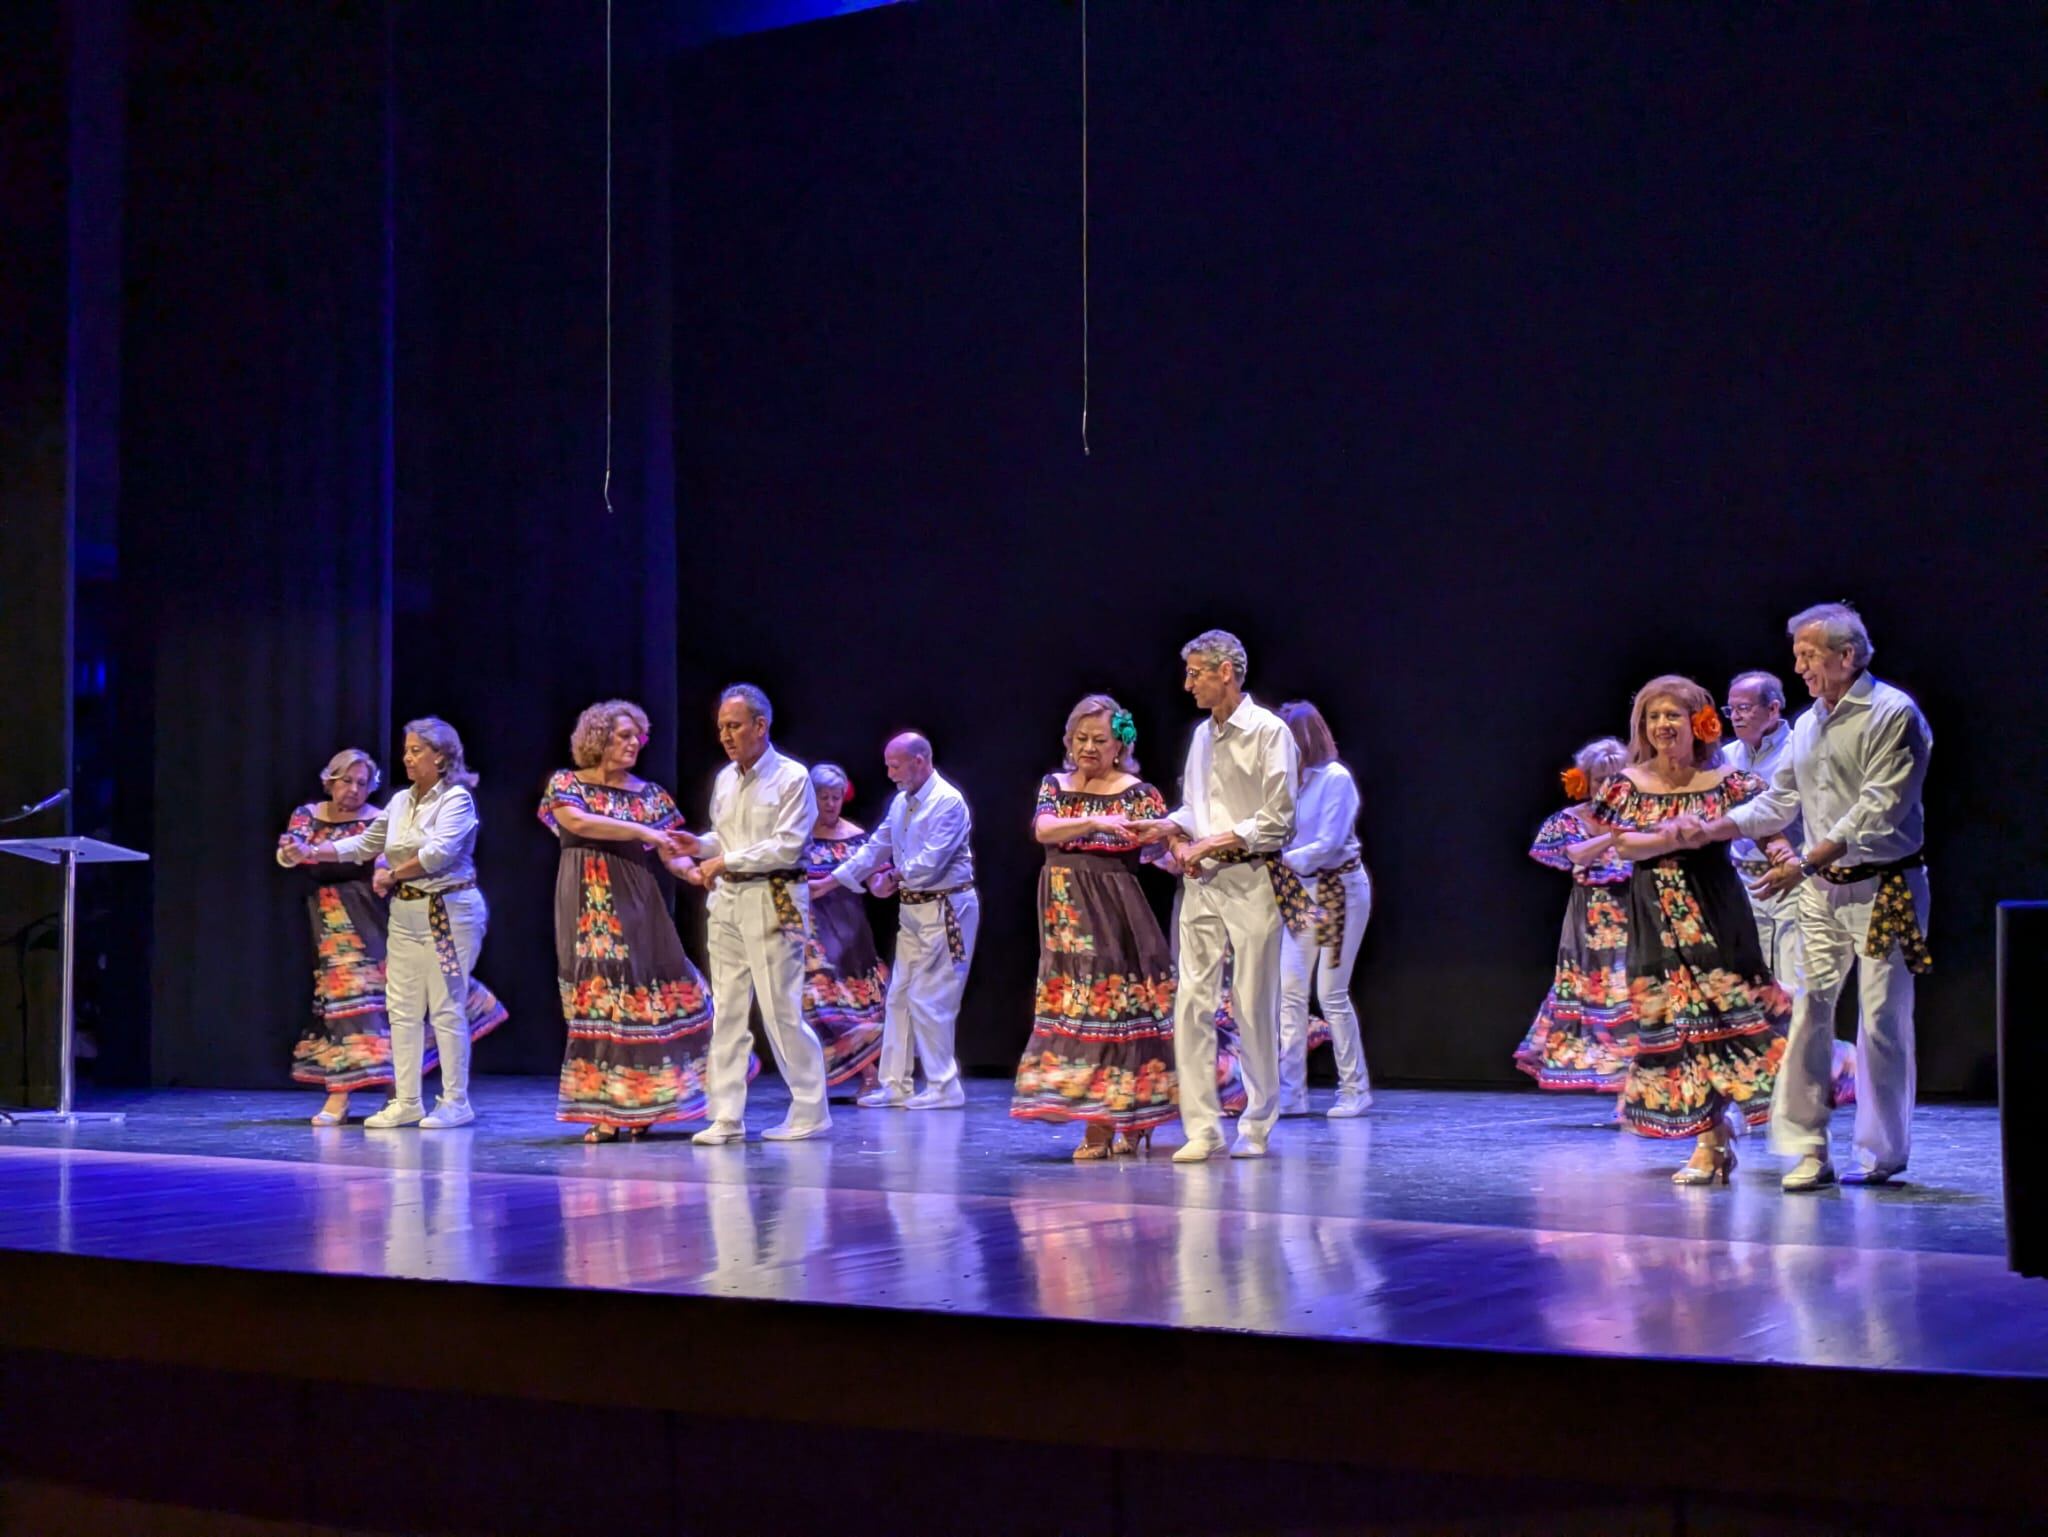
column 2022, row 1069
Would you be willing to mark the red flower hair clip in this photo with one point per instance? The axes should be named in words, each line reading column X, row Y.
column 1575, row 783
column 1706, row 723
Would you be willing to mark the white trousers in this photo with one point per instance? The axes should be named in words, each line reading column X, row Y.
column 1777, row 930
column 417, row 993
column 925, row 985
column 1832, row 923
column 1304, row 963
column 1233, row 910
column 752, row 959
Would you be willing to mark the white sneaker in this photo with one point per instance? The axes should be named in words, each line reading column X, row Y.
column 951, row 1097
column 448, row 1114
column 1248, row 1146
column 1296, row 1106
column 791, row 1131
column 1198, row 1149
column 1811, row 1173
column 1349, row 1105
column 882, row 1099
column 720, row 1132
column 400, row 1112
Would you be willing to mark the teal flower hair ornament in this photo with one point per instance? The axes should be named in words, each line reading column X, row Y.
column 1123, row 728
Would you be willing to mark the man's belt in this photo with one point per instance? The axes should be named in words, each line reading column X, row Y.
column 956, row 941
column 1894, row 916
column 782, row 892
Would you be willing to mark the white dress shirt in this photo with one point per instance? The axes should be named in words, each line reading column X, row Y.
column 438, row 829
column 1240, row 778
column 1854, row 773
column 1325, row 820
column 1764, row 764
column 761, row 817
column 925, row 836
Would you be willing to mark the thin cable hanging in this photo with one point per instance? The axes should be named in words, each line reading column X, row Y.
column 608, row 256
column 1084, row 228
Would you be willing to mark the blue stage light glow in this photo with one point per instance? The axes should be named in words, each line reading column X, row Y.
column 700, row 21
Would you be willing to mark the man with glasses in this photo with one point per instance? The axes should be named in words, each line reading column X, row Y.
column 1756, row 708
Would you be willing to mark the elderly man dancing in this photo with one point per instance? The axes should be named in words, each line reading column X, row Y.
column 1236, row 815
column 752, row 863
column 925, row 839
column 1854, row 769
column 1756, row 708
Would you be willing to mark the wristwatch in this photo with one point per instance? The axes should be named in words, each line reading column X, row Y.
column 1808, row 869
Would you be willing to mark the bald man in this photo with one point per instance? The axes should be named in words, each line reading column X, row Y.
column 920, row 855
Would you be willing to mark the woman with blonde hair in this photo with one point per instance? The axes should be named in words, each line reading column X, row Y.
column 638, row 1012
column 1710, row 1019
column 1584, row 1033
column 348, row 1044
column 427, row 836
column 1101, row 1047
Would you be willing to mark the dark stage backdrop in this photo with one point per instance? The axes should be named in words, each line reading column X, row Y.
column 1474, row 363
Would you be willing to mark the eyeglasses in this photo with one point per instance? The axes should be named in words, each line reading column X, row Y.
column 1734, row 708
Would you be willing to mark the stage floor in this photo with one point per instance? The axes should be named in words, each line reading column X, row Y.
column 1496, row 1221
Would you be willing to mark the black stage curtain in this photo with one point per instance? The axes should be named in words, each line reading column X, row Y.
column 255, row 520
column 1474, row 364
column 522, row 597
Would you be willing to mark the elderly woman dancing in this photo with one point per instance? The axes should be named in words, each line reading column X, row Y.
column 1101, row 1048
column 1584, row 1032
column 846, row 982
column 1710, row 1018
column 427, row 836
column 348, row 1044
column 639, row 1014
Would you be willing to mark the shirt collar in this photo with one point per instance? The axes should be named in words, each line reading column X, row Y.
column 1240, row 718
column 1857, row 697
column 764, row 764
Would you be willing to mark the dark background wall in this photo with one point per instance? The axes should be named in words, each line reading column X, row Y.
column 1474, row 363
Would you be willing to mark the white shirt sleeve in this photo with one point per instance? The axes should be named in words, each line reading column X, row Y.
column 1324, row 830
column 454, row 827
column 1267, row 830
column 365, row 845
column 1777, row 807
column 853, row 871
column 1896, row 763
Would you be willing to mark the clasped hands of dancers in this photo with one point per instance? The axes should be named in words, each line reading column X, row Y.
column 1704, row 1004
column 1274, row 899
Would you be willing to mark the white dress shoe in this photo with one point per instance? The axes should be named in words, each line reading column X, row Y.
column 1296, row 1106
column 1811, row 1173
column 720, row 1132
column 399, row 1112
column 882, row 1099
column 791, row 1131
column 951, row 1097
column 1198, row 1150
column 1349, row 1105
column 448, row 1114
column 1881, row 1174
column 1247, row 1146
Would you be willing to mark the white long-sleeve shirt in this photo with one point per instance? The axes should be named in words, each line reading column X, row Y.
column 1240, row 778
column 1763, row 763
column 1854, row 773
column 438, row 829
column 1325, row 820
column 926, row 836
column 761, row 817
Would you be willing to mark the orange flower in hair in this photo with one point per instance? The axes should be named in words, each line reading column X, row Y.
column 1706, row 723
column 1576, row 784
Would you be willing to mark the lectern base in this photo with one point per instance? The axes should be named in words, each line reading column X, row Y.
column 63, row 1117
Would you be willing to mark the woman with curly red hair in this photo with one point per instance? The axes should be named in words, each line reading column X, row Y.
column 1710, row 1018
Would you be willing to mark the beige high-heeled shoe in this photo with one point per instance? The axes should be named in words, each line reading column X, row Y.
column 1720, row 1166
column 1089, row 1150
column 1130, row 1143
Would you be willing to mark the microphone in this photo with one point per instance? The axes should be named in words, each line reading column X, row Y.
column 42, row 805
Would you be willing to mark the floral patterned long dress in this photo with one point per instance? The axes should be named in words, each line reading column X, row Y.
column 846, row 982
column 347, row 1045
column 1101, row 1047
column 1710, row 1018
column 638, row 1011
column 1585, row 1029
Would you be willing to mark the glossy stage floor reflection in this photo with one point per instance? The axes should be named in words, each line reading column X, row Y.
column 1506, row 1221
